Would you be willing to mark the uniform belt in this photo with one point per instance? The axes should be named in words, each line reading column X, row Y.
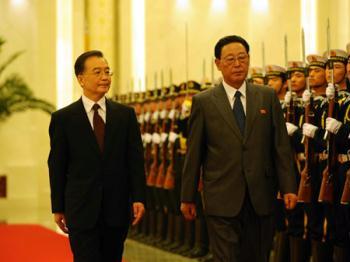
column 342, row 158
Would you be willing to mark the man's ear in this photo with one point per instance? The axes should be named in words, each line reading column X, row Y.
column 80, row 80
column 218, row 63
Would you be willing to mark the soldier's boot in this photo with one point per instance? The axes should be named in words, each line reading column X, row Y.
column 341, row 254
column 299, row 249
column 188, row 238
column 281, row 248
column 170, row 231
column 160, row 227
column 201, row 242
column 151, row 227
column 178, row 233
column 321, row 251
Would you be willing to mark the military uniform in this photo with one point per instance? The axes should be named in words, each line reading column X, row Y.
column 297, row 218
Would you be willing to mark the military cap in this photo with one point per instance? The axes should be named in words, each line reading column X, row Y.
column 191, row 87
column 296, row 66
column 316, row 60
column 148, row 95
column 123, row 98
column 336, row 55
column 165, row 92
column 182, row 88
column 157, row 93
column 135, row 97
column 173, row 90
column 142, row 97
column 256, row 72
column 274, row 70
column 116, row 98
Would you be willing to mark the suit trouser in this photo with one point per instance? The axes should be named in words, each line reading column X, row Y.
column 246, row 237
column 101, row 243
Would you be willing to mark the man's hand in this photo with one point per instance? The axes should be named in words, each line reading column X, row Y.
column 139, row 211
column 188, row 210
column 290, row 200
column 291, row 128
column 309, row 130
column 60, row 220
column 333, row 125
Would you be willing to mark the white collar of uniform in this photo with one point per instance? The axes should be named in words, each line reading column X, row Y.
column 88, row 103
column 231, row 91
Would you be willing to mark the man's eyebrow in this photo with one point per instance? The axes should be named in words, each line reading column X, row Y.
column 107, row 67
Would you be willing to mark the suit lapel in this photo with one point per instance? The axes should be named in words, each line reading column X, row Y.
column 223, row 105
column 82, row 120
column 112, row 114
column 252, row 102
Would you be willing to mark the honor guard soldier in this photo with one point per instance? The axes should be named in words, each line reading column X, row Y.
column 314, row 99
column 338, row 126
column 297, row 218
column 276, row 78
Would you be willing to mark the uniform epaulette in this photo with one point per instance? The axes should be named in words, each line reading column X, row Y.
column 341, row 100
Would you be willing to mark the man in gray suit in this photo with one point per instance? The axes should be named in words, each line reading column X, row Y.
column 238, row 140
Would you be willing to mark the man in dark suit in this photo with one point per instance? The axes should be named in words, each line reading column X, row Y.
column 96, row 166
column 238, row 138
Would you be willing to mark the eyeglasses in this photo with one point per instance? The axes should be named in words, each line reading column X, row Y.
column 100, row 73
column 229, row 60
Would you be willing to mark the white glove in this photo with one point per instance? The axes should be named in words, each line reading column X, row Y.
column 306, row 96
column 163, row 137
column 330, row 91
column 291, row 128
column 155, row 115
column 156, row 138
column 172, row 137
column 147, row 138
column 147, row 116
column 309, row 130
column 288, row 97
column 141, row 118
column 332, row 125
column 172, row 114
column 163, row 114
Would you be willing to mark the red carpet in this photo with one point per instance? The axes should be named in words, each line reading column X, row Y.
column 32, row 243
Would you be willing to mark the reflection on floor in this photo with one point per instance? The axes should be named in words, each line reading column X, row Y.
column 30, row 212
column 135, row 251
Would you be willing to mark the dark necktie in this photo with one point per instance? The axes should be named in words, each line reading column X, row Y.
column 99, row 127
column 238, row 111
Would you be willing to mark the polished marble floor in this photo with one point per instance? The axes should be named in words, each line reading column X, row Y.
column 30, row 212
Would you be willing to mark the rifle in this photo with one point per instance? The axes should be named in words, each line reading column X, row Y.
column 153, row 170
column 163, row 153
column 305, row 190
column 327, row 185
column 345, row 198
column 169, row 182
column 147, row 139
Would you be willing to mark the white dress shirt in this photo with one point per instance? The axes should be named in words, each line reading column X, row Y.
column 88, row 104
column 231, row 91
